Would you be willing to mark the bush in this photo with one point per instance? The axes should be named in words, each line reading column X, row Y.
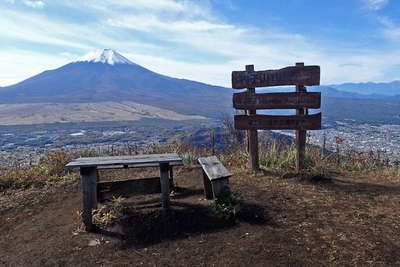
column 109, row 213
column 50, row 168
column 227, row 205
column 54, row 163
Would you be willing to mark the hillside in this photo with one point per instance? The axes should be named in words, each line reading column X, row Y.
column 93, row 87
column 43, row 113
column 106, row 77
column 371, row 88
column 284, row 220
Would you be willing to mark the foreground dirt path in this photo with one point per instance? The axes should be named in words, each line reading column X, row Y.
column 348, row 221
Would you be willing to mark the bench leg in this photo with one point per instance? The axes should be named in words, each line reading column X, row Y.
column 164, row 176
column 208, row 192
column 219, row 185
column 89, row 179
column 171, row 177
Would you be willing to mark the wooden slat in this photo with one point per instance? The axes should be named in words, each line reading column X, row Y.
column 213, row 168
column 277, row 100
column 305, row 75
column 271, row 122
column 125, row 160
column 128, row 188
column 155, row 164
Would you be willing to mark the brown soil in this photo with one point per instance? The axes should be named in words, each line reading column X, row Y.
column 341, row 222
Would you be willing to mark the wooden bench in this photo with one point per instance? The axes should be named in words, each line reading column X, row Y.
column 90, row 182
column 215, row 176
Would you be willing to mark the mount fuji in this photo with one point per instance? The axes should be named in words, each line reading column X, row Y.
column 107, row 76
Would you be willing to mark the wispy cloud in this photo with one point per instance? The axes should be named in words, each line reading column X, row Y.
column 34, row 4
column 376, row 4
column 29, row 3
column 390, row 29
column 184, row 39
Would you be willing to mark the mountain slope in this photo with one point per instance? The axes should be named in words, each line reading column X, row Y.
column 105, row 78
column 370, row 88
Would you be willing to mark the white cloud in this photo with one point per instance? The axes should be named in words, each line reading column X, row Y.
column 17, row 65
column 390, row 30
column 34, row 4
column 191, row 42
column 376, row 4
column 148, row 4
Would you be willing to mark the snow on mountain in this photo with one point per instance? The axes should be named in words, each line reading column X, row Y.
column 107, row 56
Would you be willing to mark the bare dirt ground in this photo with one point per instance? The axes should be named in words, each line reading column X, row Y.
column 343, row 222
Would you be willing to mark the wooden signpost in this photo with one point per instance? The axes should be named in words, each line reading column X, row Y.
column 300, row 100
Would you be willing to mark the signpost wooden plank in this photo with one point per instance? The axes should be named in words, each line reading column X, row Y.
column 278, row 122
column 298, row 75
column 277, row 100
column 300, row 100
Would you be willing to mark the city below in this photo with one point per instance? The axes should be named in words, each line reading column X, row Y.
column 28, row 144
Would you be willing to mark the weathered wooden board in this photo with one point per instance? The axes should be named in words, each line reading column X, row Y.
column 125, row 160
column 128, row 188
column 305, row 75
column 276, row 100
column 213, row 168
column 271, row 122
column 145, row 165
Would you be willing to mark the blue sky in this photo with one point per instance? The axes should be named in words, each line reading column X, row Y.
column 204, row 40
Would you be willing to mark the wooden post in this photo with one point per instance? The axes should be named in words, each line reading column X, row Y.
column 171, row 177
column 208, row 192
column 164, row 179
column 89, row 179
column 252, row 135
column 300, row 134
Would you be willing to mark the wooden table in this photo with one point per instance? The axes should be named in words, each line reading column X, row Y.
column 89, row 175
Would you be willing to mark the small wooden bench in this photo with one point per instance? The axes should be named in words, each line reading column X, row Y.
column 215, row 176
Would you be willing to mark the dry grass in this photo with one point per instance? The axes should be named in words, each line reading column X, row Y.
column 276, row 158
column 352, row 219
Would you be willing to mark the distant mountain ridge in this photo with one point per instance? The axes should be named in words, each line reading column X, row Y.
column 108, row 77
column 370, row 88
column 111, row 77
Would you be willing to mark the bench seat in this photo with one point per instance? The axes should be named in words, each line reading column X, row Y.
column 215, row 176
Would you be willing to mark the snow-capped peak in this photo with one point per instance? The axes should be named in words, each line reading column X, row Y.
column 107, row 56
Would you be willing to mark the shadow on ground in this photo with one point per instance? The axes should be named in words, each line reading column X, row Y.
column 344, row 186
column 144, row 223
column 334, row 182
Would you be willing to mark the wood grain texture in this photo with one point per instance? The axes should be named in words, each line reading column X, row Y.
column 220, row 185
column 213, row 168
column 164, row 179
column 301, row 134
column 145, row 165
column 125, row 160
column 277, row 100
column 278, row 122
column 208, row 192
column 305, row 75
column 89, row 178
column 252, row 134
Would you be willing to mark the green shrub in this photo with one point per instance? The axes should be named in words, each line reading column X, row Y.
column 50, row 168
column 54, row 163
column 227, row 205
